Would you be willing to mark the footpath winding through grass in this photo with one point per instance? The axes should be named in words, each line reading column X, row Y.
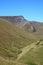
column 26, row 49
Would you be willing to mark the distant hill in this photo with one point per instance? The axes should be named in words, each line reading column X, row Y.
column 21, row 22
column 17, row 20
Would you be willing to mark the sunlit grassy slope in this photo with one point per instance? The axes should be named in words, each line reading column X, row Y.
column 11, row 40
column 34, row 56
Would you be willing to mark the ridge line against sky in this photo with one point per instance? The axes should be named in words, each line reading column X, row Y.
column 31, row 9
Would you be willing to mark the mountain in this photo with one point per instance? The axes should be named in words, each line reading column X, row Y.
column 21, row 22
column 21, row 41
column 12, row 40
column 17, row 20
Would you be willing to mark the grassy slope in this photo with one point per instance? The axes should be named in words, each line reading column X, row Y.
column 11, row 40
column 34, row 56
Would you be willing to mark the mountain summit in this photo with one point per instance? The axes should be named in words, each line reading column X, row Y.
column 21, row 22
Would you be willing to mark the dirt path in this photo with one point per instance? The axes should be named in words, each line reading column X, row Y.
column 25, row 50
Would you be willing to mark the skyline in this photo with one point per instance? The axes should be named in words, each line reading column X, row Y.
column 32, row 10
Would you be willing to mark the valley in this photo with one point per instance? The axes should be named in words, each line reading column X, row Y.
column 21, row 41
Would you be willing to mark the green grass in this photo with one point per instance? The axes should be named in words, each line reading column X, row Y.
column 34, row 56
column 19, row 51
column 30, row 63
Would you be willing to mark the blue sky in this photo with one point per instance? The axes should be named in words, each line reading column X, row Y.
column 30, row 9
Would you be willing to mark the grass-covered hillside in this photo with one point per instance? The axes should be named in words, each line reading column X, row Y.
column 12, row 40
column 19, row 47
column 34, row 55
